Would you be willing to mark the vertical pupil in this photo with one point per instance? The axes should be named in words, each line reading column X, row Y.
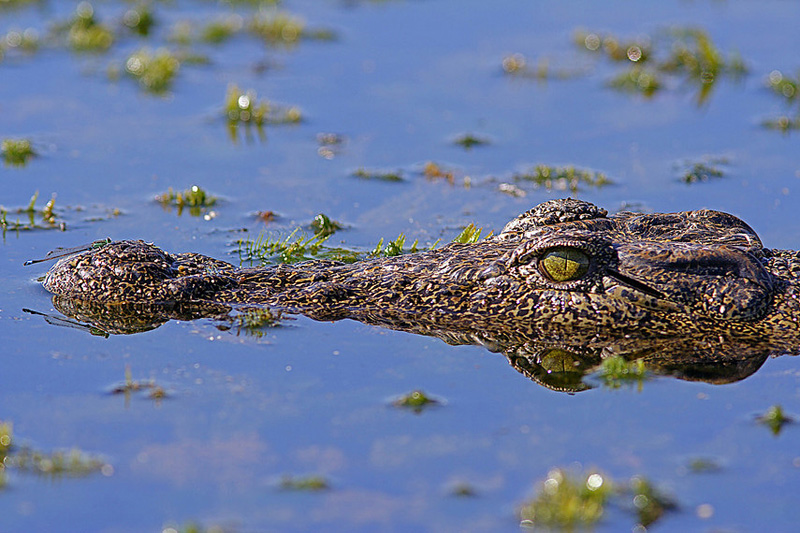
column 564, row 264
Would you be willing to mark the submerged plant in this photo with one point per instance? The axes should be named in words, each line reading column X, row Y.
column 139, row 19
column 195, row 198
column 17, row 152
column 561, row 178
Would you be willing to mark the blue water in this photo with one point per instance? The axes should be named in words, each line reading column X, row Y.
column 401, row 80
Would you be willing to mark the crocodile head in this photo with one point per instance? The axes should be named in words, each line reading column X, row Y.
column 629, row 268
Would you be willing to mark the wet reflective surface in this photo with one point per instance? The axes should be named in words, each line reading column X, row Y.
column 251, row 402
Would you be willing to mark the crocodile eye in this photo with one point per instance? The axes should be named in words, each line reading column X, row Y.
column 564, row 264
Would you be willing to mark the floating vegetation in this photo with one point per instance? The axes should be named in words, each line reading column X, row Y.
column 304, row 483
column 394, row 248
column 291, row 249
column 278, row 28
column 463, row 490
column 788, row 88
column 44, row 218
column 691, row 56
column 703, row 170
column 139, row 19
column 221, row 30
column 518, row 66
column 380, row 175
column 469, row 141
column 568, row 502
column 26, row 41
column 131, row 386
column 469, row 235
column 783, row 124
column 434, row 171
column 85, row 34
column 702, row 465
column 330, row 144
column 617, row 371
column 416, row 401
column 568, row 178
column 17, row 152
column 58, row 464
column 246, row 108
column 251, row 321
column 775, row 419
column 195, row 199
column 324, row 226
column 785, row 86
column 192, row 527
column 155, row 71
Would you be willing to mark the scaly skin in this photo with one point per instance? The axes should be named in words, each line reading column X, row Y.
column 693, row 294
column 657, row 273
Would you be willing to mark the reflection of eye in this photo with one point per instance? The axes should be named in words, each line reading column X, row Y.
column 564, row 264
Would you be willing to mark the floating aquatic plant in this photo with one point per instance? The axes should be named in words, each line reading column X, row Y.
column 85, row 34
column 44, row 218
column 561, row 178
column 434, row 171
column 155, row 71
column 57, row 464
column 468, row 141
column 567, row 501
column 279, row 28
column 381, row 175
column 131, row 386
column 17, row 152
column 690, row 56
column 617, row 371
column 703, row 170
column 195, row 198
column 304, row 483
column 416, row 401
column 469, row 235
column 245, row 108
column 139, row 19
column 324, row 226
column 775, row 419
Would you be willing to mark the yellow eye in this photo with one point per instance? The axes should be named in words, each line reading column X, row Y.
column 564, row 264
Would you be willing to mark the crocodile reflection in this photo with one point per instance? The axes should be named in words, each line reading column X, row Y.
column 565, row 362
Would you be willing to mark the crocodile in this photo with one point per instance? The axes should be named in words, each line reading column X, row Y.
column 564, row 275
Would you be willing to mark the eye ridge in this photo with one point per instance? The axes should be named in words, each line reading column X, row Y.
column 564, row 263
